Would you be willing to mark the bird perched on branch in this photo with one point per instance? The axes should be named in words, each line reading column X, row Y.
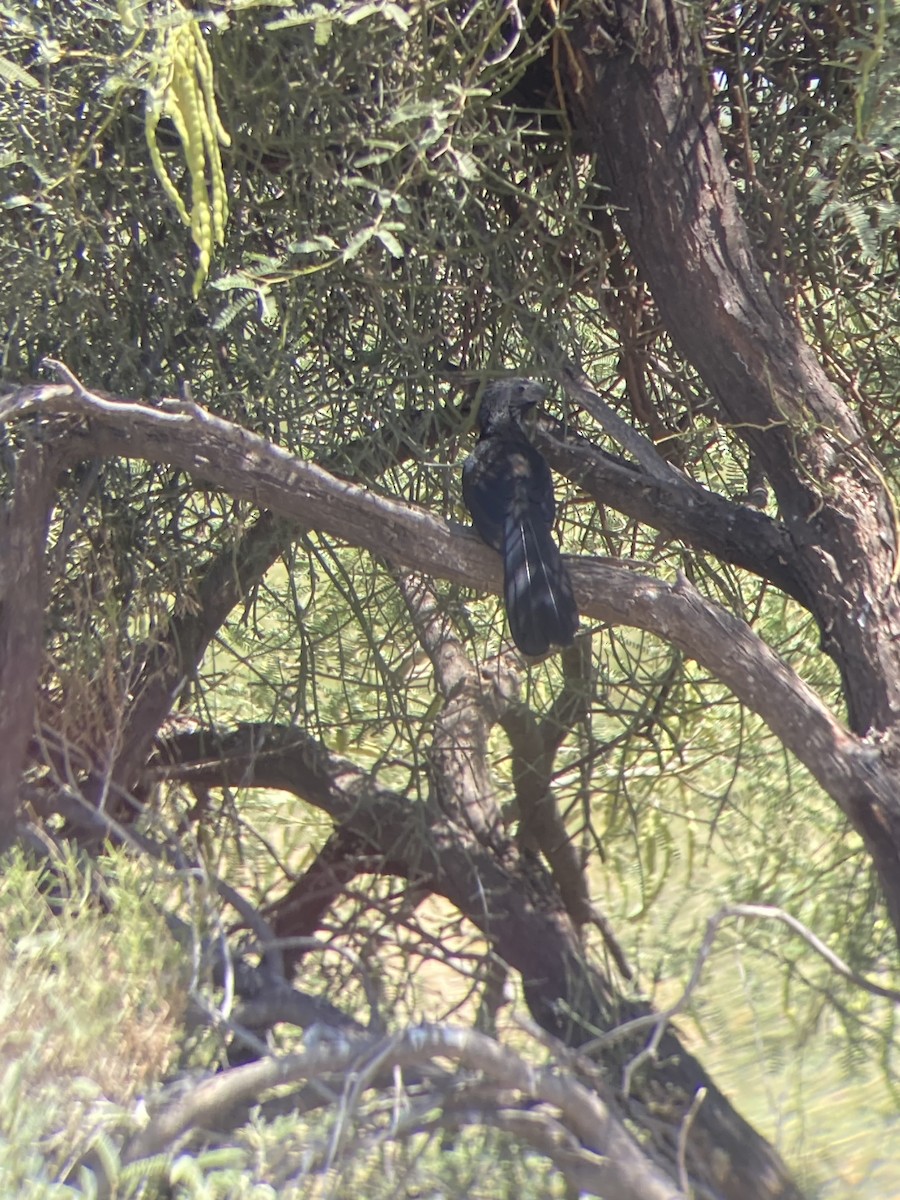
column 509, row 492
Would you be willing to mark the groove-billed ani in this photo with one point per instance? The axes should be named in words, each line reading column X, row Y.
column 509, row 492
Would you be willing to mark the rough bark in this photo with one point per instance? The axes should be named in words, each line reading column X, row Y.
column 458, row 763
column 678, row 508
column 642, row 108
column 534, row 743
column 23, row 584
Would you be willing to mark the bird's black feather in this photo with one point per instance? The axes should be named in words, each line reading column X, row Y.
column 508, row 490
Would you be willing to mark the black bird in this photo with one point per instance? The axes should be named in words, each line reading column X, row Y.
column 509, row 492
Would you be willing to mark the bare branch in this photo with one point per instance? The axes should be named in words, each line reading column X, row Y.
column 580, row 388
column 678, row 507
column 849, row 769
column 837, row 964
column 85, row 817
column 627, row 1172
column 654, row 466
column 683, row 1135
column 534, row 744
column 298, row 913
column 458, row 765
column 297, row 1003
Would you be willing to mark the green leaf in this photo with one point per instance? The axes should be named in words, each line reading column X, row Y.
column 357, row 242
column 322, row 34
column 322, row 243
column 360, row 14
column 390, row 243
column 398, row 15
column 13, row 73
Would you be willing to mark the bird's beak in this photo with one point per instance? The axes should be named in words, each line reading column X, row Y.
column 535, row 394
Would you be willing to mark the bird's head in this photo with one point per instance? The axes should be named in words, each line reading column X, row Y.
column 505, row 402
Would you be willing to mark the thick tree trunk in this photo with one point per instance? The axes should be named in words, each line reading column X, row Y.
column 23, row 586
column 643, row 110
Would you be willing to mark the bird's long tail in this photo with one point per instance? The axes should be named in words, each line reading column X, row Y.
column 540, row 603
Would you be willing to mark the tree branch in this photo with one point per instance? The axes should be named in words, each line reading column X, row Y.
column 23, row 583
column 643, row 109
column 626, row 1171
column 659, row 1021
column 172, row 657
column 677, row 507
column 534, row 744
column 249, row 467
column 458, row 766
column 512, row 904
column 184, row 435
